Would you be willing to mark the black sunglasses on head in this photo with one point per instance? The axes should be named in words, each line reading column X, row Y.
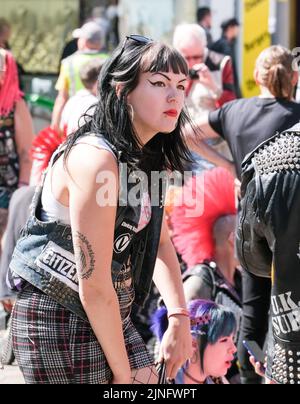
column 139, row 38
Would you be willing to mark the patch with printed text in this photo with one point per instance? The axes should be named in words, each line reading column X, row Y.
column 60, row 263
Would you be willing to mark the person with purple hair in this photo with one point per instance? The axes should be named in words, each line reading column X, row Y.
column 213, row 328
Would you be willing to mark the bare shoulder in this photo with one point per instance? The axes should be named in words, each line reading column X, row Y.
column 85, row 163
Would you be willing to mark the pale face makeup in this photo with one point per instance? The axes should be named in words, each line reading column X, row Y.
column 156, row 103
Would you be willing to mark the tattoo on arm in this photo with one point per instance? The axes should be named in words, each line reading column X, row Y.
column 85, row 257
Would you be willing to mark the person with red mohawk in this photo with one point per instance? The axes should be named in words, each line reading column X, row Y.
column 16, row 134
column 206, row 242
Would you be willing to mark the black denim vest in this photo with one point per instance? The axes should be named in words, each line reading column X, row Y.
column 44, row 255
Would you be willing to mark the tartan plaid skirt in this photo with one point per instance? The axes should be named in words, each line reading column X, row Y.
column 54, row 346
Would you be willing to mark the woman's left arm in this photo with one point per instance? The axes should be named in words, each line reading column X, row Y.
column 24, row 136
column 176, row 346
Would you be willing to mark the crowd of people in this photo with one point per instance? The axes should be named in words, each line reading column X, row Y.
column 159, row 203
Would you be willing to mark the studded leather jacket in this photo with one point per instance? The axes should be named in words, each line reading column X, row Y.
column 44, row 255
column 268, row 243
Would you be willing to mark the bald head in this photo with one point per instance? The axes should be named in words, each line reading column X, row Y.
column 224, row 228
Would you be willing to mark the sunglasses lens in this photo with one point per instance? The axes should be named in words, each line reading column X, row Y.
column 140, row 38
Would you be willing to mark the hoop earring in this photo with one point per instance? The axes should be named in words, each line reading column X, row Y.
column 131, row 112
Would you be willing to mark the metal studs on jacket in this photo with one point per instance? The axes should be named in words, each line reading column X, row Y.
column 286, row 366
column 280, row 154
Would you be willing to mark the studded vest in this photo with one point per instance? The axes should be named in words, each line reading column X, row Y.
column 268, row 243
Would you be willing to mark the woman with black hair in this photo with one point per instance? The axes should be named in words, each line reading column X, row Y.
column 90, row 248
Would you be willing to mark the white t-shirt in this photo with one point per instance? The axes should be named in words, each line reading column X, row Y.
column 77, row 106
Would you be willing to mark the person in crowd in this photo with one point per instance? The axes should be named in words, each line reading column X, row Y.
column 273, row 109
column 82, row 276
column 206, row 243
column 226, row 46
column 47, row 141
column 5, row 35
column 112, row 13
column 217, row 278
column 90, row 44
column 69, row 49
column 204, row 19
column 84, row 99
column 268, row 243
column 258, row 118
column 212, row 328
column 211, row 80
column 99, row 17
column 230, row 32
column 16, row 135
column 215, row 75
column 204, row 199
column 5, row 32
column 17, row 218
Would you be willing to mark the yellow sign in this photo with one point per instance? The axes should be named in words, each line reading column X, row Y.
column 40, row 29
column 256, row 39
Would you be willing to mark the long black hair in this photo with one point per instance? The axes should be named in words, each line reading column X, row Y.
column 112, row 117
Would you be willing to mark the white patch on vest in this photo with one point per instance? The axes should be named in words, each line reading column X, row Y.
column 122, row 243
column 59, row 263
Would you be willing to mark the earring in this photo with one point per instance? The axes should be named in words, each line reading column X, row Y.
column 131, row 112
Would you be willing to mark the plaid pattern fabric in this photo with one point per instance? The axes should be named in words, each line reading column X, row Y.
column 54, row 346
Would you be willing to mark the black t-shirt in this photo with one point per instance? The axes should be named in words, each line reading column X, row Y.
column 247, row 123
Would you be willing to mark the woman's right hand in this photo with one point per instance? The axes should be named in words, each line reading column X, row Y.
column 176, row 346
